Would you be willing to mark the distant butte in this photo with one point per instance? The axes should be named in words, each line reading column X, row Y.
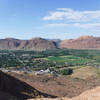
column 83, row 42
column 37, row 44
column 41, row 44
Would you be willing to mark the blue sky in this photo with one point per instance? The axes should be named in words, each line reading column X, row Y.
column 25, row 19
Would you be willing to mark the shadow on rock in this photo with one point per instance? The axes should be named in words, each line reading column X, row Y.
column 19, row 89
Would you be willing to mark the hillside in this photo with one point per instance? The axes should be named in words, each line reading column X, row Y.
column 93, row 94
column 22, row 86
column 62, row 86
column 83, row 42
column 12, row 88
column 38, row 44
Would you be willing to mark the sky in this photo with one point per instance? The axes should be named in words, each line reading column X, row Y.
column 51, row 19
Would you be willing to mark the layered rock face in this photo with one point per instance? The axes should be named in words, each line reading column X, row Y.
column 37, row 44
column 40, row 44
column 83, row 42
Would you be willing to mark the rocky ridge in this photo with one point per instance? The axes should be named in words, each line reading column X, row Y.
column 37, row 44
column 83, row 42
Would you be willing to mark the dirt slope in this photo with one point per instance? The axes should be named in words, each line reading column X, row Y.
column 93, row 94
column 61, row 86
column 12, row 86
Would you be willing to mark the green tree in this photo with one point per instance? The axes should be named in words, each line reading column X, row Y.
column 66, row 71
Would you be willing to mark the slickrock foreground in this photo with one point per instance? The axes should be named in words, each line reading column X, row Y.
column 93, row 94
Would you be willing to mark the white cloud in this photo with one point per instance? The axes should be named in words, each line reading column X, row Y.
column 77, row 25
column 68, row 14
column 67, row 17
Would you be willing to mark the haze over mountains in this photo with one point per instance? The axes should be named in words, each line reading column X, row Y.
column 40, row 44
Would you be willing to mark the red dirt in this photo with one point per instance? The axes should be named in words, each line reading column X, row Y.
column 59, row 86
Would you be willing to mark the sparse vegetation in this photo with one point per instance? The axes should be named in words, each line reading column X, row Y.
column 66, row 71
column 52, row 59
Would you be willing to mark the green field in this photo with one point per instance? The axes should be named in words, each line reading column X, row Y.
column 68, row 59
column 55, row 59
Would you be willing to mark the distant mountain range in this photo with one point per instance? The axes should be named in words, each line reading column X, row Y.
column 37, row 44
column 83, row 42
column 40, row 44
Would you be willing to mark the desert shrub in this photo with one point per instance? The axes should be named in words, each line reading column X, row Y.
column 66, row 71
